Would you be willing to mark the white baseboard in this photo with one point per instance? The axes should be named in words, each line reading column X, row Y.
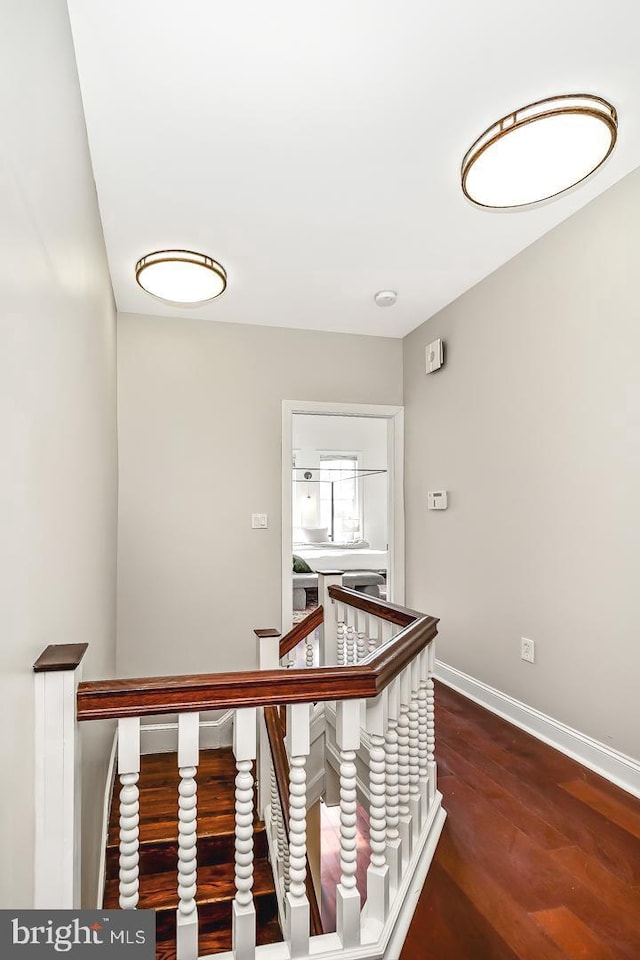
column 163, row 737
column 620, row 769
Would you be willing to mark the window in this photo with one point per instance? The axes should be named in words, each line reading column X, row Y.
column 338, row 473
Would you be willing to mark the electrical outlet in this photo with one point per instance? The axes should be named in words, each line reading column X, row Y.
column 527, row 650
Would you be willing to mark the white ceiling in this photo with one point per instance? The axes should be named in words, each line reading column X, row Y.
column 314, row 149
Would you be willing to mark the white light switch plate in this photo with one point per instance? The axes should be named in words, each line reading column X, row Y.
column 259, row 521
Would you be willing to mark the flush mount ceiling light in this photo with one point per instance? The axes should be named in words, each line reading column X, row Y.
column 181, row 276
column 539, row 151
column 385, row 298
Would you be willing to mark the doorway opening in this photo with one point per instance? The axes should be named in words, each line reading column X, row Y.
column 342, row 505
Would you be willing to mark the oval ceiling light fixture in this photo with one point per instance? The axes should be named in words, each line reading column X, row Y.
column 539, row 151
column 181, row 276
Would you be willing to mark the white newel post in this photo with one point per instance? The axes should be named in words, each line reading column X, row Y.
column 347, row 895
column 298, row 746
column 378, row 871
column 57, row 781
column 244, row 911
column 268, row 658
column 129, row 773
column 187, row 912
column 394, row 843
column 328, row 633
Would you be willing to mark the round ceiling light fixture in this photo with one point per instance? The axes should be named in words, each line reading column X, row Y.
column 539, row 151
column 181, row 276
column 385, row 298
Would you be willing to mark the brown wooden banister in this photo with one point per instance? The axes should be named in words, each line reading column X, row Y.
column 392, row 612
column 301, row 631
column 275, row 735
column 108, row 699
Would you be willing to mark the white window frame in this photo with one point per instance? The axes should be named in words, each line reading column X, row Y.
column 355, row 455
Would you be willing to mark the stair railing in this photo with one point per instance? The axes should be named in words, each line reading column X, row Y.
column 378, row 693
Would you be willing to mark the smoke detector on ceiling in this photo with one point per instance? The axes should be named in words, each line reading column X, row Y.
column 386, row 298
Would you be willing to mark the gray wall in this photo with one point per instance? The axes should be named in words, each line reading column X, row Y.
column 534, row 428
column 57, row 411
column 200, row 408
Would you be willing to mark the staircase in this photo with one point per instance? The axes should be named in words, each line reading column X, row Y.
column 356, row 722
column 158, row 851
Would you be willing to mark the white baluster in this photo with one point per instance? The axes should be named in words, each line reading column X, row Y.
column 347, row 895
column 394, row 843
column 268, row 653
column 423, row 668
column 244, row 912
column 308, row 646
column 378, row 871
column 351, row 644
column 129, row 771
column 298, row 745
column 405, row 822
column 361, row 641
column 431, row 726
column 282, row 842
column 274, row 808
column 373, row 633
column 328, row 655
column 415, row 806
column 341, row 643
column 187, row 912
column 389, row 630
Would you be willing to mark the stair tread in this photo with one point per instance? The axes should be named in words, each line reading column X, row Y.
column 158, row 800
column 216, row 884
column 166, row 830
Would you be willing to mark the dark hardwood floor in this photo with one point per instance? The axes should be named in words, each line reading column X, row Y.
column 539, row 858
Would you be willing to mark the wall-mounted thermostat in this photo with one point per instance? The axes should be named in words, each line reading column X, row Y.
column 435, row 355
column 437, row 499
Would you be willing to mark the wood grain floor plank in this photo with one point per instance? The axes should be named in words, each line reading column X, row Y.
column 610, row 807
column 582, row 826
column 513, row 924
column 588, row 871
column 529, row 872
column 573, row 936
column 451, row 762
column 447, row 926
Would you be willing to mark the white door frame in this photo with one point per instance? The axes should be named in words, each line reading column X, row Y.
column 394, row 415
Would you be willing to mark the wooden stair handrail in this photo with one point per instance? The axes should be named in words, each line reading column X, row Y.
column 301, row 631
column 392, row 612
column 143, row 697
column 275, row 735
